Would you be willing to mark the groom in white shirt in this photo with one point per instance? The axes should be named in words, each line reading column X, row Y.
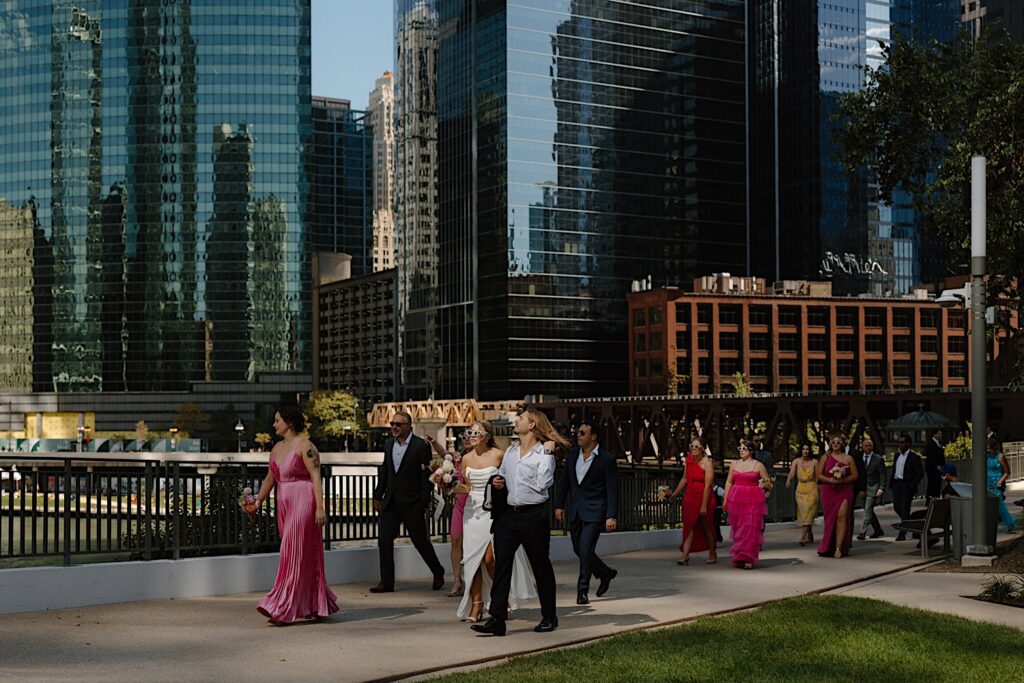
column 526, row 474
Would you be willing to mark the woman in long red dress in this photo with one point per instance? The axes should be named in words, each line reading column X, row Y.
column 699, row 501
column 300, row 590
column 836, row 474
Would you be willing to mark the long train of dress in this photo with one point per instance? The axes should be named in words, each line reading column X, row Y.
column 476, row 537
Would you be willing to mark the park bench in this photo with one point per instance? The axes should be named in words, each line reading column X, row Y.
column 937, row 522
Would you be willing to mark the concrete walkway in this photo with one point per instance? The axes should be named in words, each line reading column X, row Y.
column 413, row 630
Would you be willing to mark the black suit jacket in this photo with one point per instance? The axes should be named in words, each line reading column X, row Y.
column 934, row 458
column 596, row 498
column 873, row 473
column 913, row 470
column 410, row 486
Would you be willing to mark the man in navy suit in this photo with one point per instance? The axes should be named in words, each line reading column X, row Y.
column 589, row 490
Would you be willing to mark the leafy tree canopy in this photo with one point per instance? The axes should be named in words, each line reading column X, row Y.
column 330, row 412
column 921, row 117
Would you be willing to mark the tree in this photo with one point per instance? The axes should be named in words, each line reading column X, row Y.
column 191, row 419
column 674, row 381
column 335, row 414
column 921, row 117
column 741, row 387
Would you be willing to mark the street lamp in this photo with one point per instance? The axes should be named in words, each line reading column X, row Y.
column 239, row 428
column 174, row 436
column 348, row 430
column 81, row 435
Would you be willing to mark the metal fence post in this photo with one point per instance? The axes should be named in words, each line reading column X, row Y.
column 149, row 509
column 328, row 498
column 67, row 512
column 176, row 514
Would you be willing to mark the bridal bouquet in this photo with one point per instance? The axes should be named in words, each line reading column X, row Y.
column 839, row 471
column 444, row 473
column 664, row 492
column 247, row 501
column 766, row 485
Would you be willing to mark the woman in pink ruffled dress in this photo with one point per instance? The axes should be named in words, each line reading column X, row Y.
column 744, row 503
column 300, row 590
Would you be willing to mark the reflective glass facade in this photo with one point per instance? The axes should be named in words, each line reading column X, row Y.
column 581, row 144
column 152, row 192
column 810, row 218
column 340, row 207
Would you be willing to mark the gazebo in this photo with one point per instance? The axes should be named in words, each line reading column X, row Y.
column 919, row 425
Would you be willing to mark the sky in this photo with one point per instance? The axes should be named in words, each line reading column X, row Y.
column 352, row 46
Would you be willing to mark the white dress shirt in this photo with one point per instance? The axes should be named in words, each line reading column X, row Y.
column 901, row 460
column 398, row 452
column 528, row 478
column 583, row 464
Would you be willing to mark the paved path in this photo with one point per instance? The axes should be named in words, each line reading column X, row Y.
column 412, row 630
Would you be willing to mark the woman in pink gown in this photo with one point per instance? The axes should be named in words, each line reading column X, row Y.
column 300, row 590
column 836, row 475
column 744, row 503
column 455, row 531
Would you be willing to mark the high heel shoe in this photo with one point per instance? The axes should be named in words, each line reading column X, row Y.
column 457, row 589
column 683, row 562
column 480, row 615
column 713, row 560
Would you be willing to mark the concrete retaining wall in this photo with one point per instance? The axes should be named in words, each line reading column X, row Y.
column 51, row 588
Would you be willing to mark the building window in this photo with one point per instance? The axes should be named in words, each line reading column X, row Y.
column 958, row 320
column 956, row 344
column 640, row 342
column 729, row 366
column 704, row 341
column 873, row 343
column 639, row 317
column 957, row 368
column 817, row 317
column 789, row 342
column 845, row 343
column 656, row 341
column 901, row 369
column 640, row 368
column 703, row 367
column 901, row 343
column 846, row 317
column 816, row 367
column 758, row 367
column 929, row 368
column 683, row 367
column 682, row 340
column 844, row 367
column 788, row 367
column 654, row 315
column 902, row 318
column 873, row 368
column 729, row 315
column 929, row 344
column 759, row 341
column 682, row 313
column 657, row 368
column 873, row 317
column 703, row 314
column 789, row 315
column 759, row 315
column 817, row 342
column 929, row 319
column 729, row 341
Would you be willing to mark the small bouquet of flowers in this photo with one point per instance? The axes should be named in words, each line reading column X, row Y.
column 664, row 493
column 444, row 473
column 247, row 501
column 766, row 485
column 838, row 472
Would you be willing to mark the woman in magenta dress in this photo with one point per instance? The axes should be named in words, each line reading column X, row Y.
column 836, row 474
column 744, row 503
column 699, row 501
column 300, row 590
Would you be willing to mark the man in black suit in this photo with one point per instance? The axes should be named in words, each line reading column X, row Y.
column 907, row 473
column 870, row 486
column 934, row 458
column 401, row 497
column 589, row 490
column 762, row 454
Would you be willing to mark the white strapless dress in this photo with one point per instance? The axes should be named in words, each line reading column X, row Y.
column 476, row 538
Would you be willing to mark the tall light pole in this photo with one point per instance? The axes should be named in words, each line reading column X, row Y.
column 174, row 438
column 239, row 428
column 979, row 418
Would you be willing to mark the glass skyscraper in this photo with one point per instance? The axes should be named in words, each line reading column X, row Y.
column 810, row 217
column 152, row 192
column 581, row 145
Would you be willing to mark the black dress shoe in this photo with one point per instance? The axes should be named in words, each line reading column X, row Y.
column 582, row 599
column 878, row 535
column 861, row 537
column 901, row 537
column 606, row 582
column 438, row 581
column 492, row 627
column 546, row 625
column 381, row 588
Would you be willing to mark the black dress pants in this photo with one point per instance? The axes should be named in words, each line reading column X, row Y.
column 530, row 528
column 416, row 525
column 584, row 543
column 902, row 496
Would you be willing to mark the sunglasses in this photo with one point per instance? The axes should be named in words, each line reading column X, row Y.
column 399, row 424
column 744, row 448
column 472, row 433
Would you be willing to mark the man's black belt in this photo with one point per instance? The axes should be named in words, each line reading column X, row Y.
column 523, row 508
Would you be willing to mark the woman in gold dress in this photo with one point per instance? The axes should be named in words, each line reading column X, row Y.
column 802, row 470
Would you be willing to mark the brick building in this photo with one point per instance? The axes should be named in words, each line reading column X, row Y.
column 799, row 340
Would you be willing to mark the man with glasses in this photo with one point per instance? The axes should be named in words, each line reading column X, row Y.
column 401, row 496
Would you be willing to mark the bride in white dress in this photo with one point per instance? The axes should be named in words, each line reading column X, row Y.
column 479, row 464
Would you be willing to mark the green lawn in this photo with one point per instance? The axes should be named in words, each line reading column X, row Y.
column 826, row 638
